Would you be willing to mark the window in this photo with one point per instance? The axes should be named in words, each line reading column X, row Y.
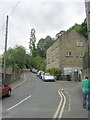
column 68, row 54
column 79, row 43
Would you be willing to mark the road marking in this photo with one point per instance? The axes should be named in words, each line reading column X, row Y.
column 61, row 106
column 20, row 83
column 19, row 103
column 69, row 108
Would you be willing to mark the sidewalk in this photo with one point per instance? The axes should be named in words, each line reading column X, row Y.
column 18, row 82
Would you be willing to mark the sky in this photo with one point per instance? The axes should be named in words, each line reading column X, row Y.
column 47, row 17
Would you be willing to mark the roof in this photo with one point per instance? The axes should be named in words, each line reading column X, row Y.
column 69, row 30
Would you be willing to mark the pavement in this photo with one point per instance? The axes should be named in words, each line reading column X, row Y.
column 18, row 82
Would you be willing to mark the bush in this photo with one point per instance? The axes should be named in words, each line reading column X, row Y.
column 54, row 71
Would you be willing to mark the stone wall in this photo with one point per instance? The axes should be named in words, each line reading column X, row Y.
column 10, row 78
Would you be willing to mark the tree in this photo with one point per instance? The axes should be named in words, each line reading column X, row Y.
column 82, row 29
column 15, row 57
column 0, row 60
column 43, row 45
column 60, row 33
column 20, row 56
column 28, row 60
column 32, row 40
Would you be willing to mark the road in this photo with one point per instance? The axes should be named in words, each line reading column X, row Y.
column 38, row 99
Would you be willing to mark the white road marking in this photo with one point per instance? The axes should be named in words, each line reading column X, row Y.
column 20, row 83
column 19, row 103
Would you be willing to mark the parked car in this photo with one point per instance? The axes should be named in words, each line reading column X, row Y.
column 41, row 74
column 5, row 90
column 38, row 73
column 48, row 77
column 33, row 70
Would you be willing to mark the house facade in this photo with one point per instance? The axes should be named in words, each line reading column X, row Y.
column 66, row 52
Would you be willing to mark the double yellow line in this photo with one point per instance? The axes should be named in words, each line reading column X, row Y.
column 61, row 106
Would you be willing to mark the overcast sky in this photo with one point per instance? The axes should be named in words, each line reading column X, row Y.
column 48, row 17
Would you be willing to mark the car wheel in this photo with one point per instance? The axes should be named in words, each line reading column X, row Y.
column 9, row 93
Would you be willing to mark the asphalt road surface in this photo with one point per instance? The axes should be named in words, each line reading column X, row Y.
column 38, row 99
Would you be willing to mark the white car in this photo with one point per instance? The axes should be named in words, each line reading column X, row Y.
column 48, row 77
column 38, row 73
column 41, row 74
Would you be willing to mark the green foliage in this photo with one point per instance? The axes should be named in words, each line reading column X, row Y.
column 32, row 41
column 82, row 29
column 43, row 45
column 34, row 52
column 86, row 62
column 38, row 63
column 54, row 71
column 28, row 61
column 0, row 60
column 60, row 33
column 15, row 57
column 77, row 27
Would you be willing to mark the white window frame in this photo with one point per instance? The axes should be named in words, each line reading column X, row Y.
column 68, row 54
column 79, row 43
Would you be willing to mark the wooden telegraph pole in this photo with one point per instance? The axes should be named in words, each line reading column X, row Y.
column 5, row 49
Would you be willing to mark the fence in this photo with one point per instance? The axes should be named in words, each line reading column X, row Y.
column 86, row 65
column 86, row 73
column 86, row 61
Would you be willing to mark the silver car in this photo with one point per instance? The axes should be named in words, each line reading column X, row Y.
column 48, row 77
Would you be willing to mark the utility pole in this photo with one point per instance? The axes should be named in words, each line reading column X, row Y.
column 5, row 52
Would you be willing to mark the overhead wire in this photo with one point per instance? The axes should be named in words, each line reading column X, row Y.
column 10, row 14
column 15, row 7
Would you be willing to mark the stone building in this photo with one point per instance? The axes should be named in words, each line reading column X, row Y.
column 66, row 52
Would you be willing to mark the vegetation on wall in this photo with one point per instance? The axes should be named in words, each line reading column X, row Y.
column 54, row 71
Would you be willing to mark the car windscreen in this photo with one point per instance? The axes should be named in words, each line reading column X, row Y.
column 47, row 74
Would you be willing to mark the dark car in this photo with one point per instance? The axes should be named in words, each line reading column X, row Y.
column 5, row 90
